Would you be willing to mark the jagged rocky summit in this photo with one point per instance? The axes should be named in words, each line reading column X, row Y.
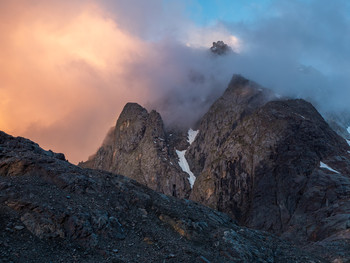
column 220, row 48
column 53, row 211
column 271, row 163
column 138, row 147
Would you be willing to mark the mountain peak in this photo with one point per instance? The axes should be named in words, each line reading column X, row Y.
column 139, row 148
column 238, row 79
column 132, row 110
column 132, row 106
column 220, row 48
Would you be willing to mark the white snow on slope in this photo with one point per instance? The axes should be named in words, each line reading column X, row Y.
column 348, row 142
column 191, row 136
column 348, row 129
column 185, row 167
column 323, row 165
column 182, row 159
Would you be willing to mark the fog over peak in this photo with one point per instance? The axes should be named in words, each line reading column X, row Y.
column 302, row 50
column 67, row 69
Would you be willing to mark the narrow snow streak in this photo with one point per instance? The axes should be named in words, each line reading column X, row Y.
column 185, row 167
column 348, row 141
column 348, row 129
column 182, row 159
column 323, row 165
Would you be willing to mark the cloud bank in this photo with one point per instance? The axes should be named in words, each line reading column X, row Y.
column 67, row 69
column 301, row 50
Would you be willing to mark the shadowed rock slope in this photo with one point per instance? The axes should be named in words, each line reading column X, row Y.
column 53, row 211
column 273, row 165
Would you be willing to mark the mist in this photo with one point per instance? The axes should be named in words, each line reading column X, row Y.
column 302, row 51
column 67, row 69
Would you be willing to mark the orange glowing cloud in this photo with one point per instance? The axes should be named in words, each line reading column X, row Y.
column 68, row 68
column 54, row 65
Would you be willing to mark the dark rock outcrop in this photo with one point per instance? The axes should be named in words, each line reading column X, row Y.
column 138, row 147
column 53, row 211
column 260, row 162
column 220, row 48
column 240, row 99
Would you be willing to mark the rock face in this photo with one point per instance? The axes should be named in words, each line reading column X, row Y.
column 220, row 48
column 138, row 147
column 240, row 99
column 263, row 162
column 53, row 211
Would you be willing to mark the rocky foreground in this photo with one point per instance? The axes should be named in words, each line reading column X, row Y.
column 53, row 211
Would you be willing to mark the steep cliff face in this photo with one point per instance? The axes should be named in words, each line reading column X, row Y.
column 139, row 148
column 240, row 99
column 261, row 162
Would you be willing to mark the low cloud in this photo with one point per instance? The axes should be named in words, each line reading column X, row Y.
column 67, row 70
column 301, row 50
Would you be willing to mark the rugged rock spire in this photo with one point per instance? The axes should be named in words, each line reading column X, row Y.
column 138, row 147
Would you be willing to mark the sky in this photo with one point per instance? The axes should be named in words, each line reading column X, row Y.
column 67, row 68
column 208, row 12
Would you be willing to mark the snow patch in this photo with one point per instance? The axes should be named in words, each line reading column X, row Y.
column 191, row 136
column 348, row 129
column 348, row 141
column 185, row 167
column 323, row 165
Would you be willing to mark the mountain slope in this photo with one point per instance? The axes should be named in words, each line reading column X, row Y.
column 53, row 211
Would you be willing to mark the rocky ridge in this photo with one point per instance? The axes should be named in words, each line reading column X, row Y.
column 53, row 211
